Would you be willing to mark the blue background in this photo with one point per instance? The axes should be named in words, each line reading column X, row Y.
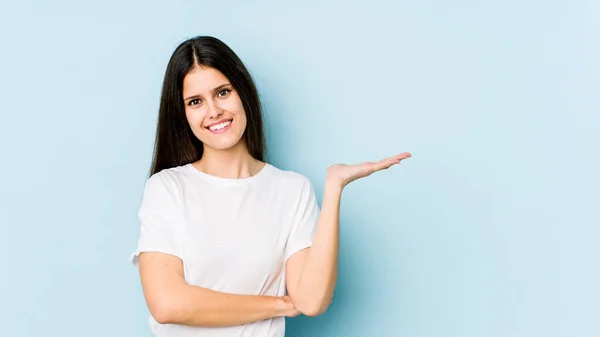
column 491, row 229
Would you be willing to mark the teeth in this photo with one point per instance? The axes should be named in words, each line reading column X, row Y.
column 219, row 126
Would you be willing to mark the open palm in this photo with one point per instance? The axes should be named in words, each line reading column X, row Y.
column 345, row 174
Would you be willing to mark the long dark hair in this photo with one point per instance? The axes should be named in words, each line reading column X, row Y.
column 175, row 144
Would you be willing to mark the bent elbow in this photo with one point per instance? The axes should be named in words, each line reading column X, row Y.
column 312, row 309
column 312, row 312
column 161, row 315
column 162, row 312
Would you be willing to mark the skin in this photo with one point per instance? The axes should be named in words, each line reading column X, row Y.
column 311, row 273
column 209, row 98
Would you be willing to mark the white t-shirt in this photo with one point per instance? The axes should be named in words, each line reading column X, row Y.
column 233, row 235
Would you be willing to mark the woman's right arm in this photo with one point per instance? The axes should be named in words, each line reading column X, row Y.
column 172, row 301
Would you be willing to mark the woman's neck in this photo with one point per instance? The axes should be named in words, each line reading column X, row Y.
column 234, row 163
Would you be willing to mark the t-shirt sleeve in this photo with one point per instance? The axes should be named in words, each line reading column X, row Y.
column 160, row 220
column 305, row 221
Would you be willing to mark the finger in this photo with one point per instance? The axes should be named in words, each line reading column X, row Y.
column 402, row 156
column 394, row 159
column 383, row 165
column 388, row 162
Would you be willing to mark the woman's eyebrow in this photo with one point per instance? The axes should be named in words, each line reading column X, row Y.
column 214, row 90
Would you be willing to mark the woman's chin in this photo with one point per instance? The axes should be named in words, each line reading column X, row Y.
column 225, row 144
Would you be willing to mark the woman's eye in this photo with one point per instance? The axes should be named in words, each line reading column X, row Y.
column 194, row 102
column 223, row 92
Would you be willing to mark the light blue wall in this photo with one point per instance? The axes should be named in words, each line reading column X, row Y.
column 491, row 229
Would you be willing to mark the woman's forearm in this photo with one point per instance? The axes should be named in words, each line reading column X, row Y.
column 196, row 306
column 318, row 277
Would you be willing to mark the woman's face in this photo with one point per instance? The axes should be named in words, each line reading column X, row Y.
column 213, row 108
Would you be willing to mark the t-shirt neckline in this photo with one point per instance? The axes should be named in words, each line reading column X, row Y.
column 230, row 181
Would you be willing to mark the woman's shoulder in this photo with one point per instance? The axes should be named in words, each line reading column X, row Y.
column 290, row 177
column 168, row 179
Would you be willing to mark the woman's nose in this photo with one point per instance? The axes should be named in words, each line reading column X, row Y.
column 214, row 110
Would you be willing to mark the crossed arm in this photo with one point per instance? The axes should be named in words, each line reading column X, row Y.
column 172, row 301
column 310, row 276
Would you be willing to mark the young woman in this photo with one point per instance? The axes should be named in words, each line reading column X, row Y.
column 230, row 245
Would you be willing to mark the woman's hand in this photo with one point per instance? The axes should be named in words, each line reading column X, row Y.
column 344, row 174
column 287, row 307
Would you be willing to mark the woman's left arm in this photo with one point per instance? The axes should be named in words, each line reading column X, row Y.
column 312, row 273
